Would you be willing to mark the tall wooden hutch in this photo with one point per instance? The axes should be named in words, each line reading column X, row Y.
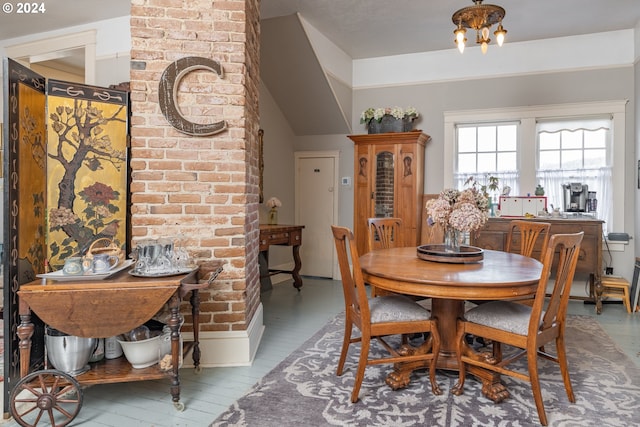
column 389, row 182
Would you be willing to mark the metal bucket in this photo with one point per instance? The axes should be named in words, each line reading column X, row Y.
column 68, row 353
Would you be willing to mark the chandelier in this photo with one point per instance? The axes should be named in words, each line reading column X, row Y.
column 479, row 17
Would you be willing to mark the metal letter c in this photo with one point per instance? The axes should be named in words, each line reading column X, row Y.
column 168, row 95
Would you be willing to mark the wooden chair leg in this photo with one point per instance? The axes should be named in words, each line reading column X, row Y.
column 564, row 368
column 627, row 303
column 348, row 328
column 532, row 361
column 362, row 364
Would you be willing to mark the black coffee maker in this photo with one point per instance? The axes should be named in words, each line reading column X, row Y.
column 575, row 197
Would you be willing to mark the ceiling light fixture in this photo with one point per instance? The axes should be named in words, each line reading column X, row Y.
column 479, row 17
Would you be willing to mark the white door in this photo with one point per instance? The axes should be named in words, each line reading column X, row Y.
column 316, row 209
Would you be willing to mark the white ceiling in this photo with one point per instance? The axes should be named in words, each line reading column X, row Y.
column 371, row 28
column 59, row 14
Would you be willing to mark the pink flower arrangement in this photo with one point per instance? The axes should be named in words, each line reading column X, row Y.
column 465, row 210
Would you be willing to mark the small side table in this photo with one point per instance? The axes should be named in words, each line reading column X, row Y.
column 284, row 235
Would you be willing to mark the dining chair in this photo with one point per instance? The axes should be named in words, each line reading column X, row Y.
column 530, row 231
column 526, row 328
column 383, row 233
column 379, row 317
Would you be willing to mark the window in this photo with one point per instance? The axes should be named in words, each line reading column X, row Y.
column 576, row 151
column 485, row 150
column 554, row 145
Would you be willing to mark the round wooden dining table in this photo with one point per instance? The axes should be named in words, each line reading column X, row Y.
column 499, row 275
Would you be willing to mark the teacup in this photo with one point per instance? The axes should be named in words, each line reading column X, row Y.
column 74, row 266
column 103, row 263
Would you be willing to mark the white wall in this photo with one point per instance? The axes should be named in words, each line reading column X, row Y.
column 113, row 44
column 279, row 170
column 432, row 100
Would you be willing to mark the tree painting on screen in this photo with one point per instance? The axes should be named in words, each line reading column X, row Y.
column 86, row 168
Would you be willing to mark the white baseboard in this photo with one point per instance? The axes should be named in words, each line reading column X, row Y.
column 228, row 348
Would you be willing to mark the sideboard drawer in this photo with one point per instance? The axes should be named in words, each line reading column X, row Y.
column 292, row 237
column 278, row 238
column 273, row 238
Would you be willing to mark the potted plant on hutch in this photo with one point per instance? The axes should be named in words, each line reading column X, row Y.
column 382, row 120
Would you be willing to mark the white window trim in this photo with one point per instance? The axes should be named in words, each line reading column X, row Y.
column 527, row 133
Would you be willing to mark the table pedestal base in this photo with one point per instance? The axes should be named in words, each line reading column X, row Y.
column 492, row 387
column 447, row 312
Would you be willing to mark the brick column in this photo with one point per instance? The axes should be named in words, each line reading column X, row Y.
column 202, row 188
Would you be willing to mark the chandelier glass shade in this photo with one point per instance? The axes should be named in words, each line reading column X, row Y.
column 479, row 17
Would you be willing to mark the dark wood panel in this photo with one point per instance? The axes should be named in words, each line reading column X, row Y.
column 24, row 221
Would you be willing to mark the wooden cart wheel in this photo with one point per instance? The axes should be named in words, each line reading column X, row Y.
column 179, row 406
column 46, row 398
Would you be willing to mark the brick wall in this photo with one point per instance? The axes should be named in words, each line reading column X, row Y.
column 202, row 188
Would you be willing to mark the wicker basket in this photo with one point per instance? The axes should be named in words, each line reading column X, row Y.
column 105, row 246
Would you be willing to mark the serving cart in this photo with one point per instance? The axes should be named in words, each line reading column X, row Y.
column 98, row 309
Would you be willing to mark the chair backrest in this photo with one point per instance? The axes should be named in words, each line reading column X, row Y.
column 384, row 233
column 355, row 293
column 567, row 246
column 529, row 233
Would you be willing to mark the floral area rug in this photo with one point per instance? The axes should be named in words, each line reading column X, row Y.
column 303, row 390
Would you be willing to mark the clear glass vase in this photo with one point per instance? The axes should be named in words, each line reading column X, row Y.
column 452, row 239
column 273, row 216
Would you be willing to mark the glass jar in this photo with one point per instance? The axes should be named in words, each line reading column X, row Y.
column 165, row 357
column 273, row 216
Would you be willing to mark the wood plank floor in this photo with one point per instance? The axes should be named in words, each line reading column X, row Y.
column 290, row 318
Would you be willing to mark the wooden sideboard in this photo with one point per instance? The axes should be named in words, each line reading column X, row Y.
column 285, row 235
column 494, row 236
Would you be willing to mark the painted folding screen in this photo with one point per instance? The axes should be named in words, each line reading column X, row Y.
column 87, row 174
column 24, row 204
column 66, row 180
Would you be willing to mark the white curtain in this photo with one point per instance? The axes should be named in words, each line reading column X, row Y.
column 598, row 180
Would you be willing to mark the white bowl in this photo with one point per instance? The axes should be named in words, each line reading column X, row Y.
column 142, row 354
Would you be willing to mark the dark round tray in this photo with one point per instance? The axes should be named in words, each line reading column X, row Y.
column 438, row 253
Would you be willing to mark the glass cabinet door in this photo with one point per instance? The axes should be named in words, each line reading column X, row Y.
column 384, row 186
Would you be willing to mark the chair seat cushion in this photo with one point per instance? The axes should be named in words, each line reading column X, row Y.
column 505, row 315
column 394, row 308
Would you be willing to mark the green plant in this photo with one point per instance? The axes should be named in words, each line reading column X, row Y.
column 491, row 184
